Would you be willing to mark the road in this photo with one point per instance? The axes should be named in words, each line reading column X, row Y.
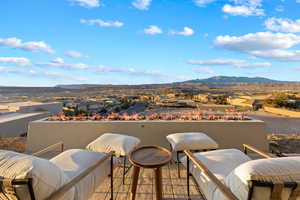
column 277, row 123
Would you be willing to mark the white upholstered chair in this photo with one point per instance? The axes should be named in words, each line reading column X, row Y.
column 230, row 174
column 72, row 175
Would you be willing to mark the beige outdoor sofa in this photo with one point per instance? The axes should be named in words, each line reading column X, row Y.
column 72, row 175
column 231, row 174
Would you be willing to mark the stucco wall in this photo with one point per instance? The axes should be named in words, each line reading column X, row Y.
column 77, row 134
column 16, row 124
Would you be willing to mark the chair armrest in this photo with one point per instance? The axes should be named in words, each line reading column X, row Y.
column 290, row 154
column 225, row 190
column 255, row 150
column 50, row 148
column 60, row 192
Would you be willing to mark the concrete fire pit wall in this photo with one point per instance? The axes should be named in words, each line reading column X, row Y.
column 77, row 134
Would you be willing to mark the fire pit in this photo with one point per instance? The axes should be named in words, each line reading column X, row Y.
column 229, row 129
column 177, row 116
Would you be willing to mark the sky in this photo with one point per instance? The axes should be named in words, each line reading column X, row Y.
column 51, row 42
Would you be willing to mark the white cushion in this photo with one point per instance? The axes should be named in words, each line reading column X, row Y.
column 47, row 177
column 74, row 161
column 191, row 141
column 271, row 170
column 121, row 144
column 219, row 162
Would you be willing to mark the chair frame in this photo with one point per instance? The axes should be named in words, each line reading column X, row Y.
column 276, row 188
column 182, row 152
column 125, row 168
column 8, row 186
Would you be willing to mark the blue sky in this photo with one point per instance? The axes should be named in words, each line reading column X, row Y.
column 50, row 42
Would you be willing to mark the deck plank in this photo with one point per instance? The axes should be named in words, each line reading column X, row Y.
column 173, row 187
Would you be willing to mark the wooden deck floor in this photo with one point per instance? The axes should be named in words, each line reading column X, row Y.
column 173, row 187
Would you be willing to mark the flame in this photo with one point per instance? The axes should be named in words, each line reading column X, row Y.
column 193, row 116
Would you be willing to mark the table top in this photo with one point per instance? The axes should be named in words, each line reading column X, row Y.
column 150, row 156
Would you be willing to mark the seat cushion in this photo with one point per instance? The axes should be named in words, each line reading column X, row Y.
column 191, row 141
column 270, row 170
column 220, row 163
column 121, row 144
column 73, row 162
column 47, row 177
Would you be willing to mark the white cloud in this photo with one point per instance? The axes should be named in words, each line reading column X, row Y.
column 216, row 62
column 87, row 3
column 61, row 64
column 100, row 69
column 203, row 70
column 231, row 62
column 102, row 23
column 58, row 60
column 283, row 25
column 186, row 32
column 203, row 3
column 141, row 4
column 264, row 45
column 257, row 41
column 43, row 74
column 75, row 54
column 238, row 7
column 297, row 1
column 254, row 65
column 16, row 61
column 242, row 10
column 279, row 8
column 153, row 30
column 130, row 71
column 34, row 46
column 279, row 55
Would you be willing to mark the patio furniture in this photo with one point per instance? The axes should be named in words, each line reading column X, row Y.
column 230, row 174
column 153, row 157
column 72, row 175
column 193, row 141
column 121, row 144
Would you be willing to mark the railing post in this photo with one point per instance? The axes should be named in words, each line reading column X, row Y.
column 245, row 150
column 124, row 169
column 178, row 164
column 112, row 177
column 188, row 175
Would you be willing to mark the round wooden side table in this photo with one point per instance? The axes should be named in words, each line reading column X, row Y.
column 153, row 157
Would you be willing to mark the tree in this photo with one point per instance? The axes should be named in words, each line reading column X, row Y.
column 222, row 100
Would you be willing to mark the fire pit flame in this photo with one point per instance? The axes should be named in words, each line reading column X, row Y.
column 194, row 116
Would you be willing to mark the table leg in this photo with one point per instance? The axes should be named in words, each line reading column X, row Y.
column 158, row 183
column 135, row 176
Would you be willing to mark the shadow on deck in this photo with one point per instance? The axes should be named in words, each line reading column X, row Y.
column 174, row 188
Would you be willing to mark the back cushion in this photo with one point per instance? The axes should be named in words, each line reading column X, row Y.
column 47, row 177
column 270, row 170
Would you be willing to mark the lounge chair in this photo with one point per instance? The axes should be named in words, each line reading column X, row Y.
column 231, row 174
column 72, row 175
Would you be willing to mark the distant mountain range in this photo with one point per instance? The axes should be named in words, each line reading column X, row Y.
column 215, row 80
column 234, row 79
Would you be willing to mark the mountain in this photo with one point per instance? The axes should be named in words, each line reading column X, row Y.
column 215, row 80
column 233, row 79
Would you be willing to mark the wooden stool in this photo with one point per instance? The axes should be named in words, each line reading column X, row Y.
column 153, row 157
